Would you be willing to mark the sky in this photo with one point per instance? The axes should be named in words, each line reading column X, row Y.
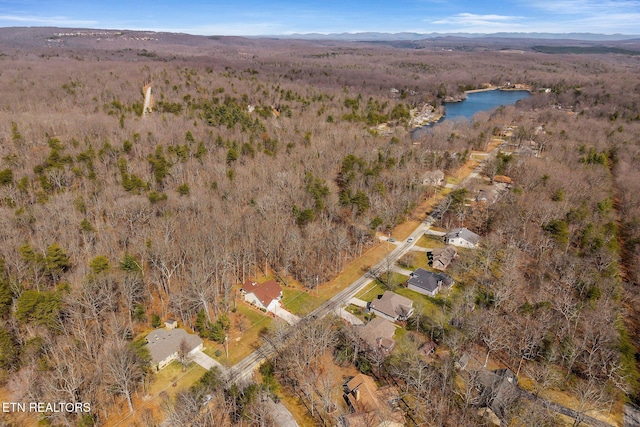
column 281, row 17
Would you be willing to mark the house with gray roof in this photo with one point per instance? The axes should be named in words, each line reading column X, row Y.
column 462, row 237
column 392, row 306
column 433, row 178
column 378, row 335
column 440, row 258
column 428, row 282
column 163, row 345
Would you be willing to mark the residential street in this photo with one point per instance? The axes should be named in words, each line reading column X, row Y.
column 245, row 367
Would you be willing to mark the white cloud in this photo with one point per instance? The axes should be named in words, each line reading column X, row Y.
column 623, row 23
column 595, row 16
column 46, row 20
column 470, row 22
column 581, row 7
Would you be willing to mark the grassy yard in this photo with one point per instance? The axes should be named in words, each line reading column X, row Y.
column 355, row 269
column 244, row 337
column 172, row 380
column 377, row 287
column 300, row 302
column 371, row 291
column 297, row 409
column 426, row 305
column 394, row 280
column 430, row 241
column 359, row 312
column 413, row 260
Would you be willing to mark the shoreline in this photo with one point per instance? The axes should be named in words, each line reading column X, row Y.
column 463, row 97
column 506, row 89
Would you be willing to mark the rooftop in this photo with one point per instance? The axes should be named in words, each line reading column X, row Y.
column 463, row 233
column 428, row 280
column 393, row 305
column 266, row 292
column 378, row 333
column 162, row 343
column 372, row 405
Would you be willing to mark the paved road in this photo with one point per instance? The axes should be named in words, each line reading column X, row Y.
column 243, row 369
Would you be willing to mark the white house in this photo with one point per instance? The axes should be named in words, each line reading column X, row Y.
column 265, row 296
column 462, row 237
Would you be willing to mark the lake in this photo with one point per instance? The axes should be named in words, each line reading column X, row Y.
column 482, row 101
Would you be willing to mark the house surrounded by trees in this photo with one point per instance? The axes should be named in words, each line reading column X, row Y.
column 462, row 237
column 266, row 296
column 164, row 345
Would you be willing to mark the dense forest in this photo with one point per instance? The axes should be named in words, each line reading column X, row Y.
column 265, row 157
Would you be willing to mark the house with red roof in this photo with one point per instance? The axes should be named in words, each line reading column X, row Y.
column 265, row 296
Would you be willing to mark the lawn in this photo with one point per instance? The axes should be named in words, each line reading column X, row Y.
column 414, row 260
column 377, row 287
column 430, row 241
column 300, row 302
column 297, row 409
column 371, row 291
column 244, row 336
column 430, row 307
column 356, row 268
column 356, row 311
column 172, row 380
column 393, row 281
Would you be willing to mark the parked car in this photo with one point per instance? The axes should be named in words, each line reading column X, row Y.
column 391, row 239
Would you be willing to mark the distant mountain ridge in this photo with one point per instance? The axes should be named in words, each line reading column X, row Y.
column 410, row 36
column 167, row 43
column 358, row 36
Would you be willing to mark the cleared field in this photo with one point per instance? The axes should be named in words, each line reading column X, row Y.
column 430, row 241
column 300, row 302
column 355, row 269
column 371, row 291
column 413, row 260
column 171, row 379
column 244, row 337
